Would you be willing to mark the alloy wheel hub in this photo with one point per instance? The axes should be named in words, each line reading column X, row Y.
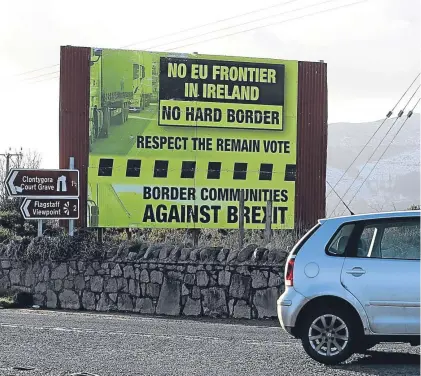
column 328, row 335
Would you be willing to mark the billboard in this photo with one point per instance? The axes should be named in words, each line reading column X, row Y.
column 175, row 138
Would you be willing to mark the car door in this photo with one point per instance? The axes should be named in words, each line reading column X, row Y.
column 382, row 271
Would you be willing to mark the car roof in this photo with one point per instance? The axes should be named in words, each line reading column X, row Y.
column 369, row 216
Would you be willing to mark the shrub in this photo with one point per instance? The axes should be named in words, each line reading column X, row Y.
column 5, row 234
column 15, row 299
column 63, row 247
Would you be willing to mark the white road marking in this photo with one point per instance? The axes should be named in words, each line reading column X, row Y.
column 146, row 335
column 105, row 316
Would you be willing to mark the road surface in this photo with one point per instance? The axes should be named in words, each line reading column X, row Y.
column 66, row 343
column 122, row 138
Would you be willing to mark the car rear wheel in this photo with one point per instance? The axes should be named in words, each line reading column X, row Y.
column 328, row 335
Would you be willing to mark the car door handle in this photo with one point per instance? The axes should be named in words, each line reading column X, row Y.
column 356, row 272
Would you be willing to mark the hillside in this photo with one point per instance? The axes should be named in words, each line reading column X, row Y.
column 395, row 182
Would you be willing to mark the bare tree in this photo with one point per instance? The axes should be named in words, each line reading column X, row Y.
column 25, row 159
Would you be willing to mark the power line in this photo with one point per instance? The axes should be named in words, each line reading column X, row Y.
column 340, row 198
column 379, row 127
column 211, row 23
column 232, row 26
column 181, row 31
column 271, row 24
column 45, row 79
column 369, row 158
column 41, row 75
column 384, row 152
column 377, row 147
column 37, row 70
column 245, row 23
column 263, row 26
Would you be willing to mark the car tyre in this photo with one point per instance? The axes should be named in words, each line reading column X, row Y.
column 329, row 335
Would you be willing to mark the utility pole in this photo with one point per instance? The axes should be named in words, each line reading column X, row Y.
column 8, row 155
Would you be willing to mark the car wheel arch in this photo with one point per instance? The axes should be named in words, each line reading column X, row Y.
column 327, row 300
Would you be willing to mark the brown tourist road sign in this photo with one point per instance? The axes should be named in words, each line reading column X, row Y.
column 50, row 208
column 42, row 183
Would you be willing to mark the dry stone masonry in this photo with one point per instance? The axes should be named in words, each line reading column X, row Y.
column 160, row 279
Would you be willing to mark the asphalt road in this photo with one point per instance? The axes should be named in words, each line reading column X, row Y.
column 66, row 343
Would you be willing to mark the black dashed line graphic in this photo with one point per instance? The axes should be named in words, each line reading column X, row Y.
column 214, row 170
column 161, row 169
column 290, row 172
column 188, row 169
column 133, row 168
column 266, row 170
column 105, row 167
column 240, row 171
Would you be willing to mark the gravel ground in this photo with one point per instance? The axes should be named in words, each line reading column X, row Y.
column 71, row 343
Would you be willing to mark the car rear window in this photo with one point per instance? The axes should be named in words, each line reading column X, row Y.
column 339, row 241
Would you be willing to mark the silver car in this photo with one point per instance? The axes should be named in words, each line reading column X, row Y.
column 353, row 282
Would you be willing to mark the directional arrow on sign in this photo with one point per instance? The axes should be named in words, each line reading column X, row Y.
column 11, row 182
column 25, row 209
column 42, row 183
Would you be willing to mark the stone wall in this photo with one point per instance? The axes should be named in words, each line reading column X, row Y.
column 163, row 281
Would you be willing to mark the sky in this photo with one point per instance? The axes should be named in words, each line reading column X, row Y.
column 371, row 49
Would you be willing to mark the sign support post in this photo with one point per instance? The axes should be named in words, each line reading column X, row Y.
column 71, row 223
column 241, row 220
column 100, row 235
column 268, row 224
column 196, row 233
column 39, row 227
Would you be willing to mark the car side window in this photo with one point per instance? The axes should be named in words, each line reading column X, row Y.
column 338, row 243
column 366, row 241
column 390, row 240
column 401, row 242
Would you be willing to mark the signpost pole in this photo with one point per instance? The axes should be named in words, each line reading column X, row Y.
column 39, row 227
column 71, row 223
